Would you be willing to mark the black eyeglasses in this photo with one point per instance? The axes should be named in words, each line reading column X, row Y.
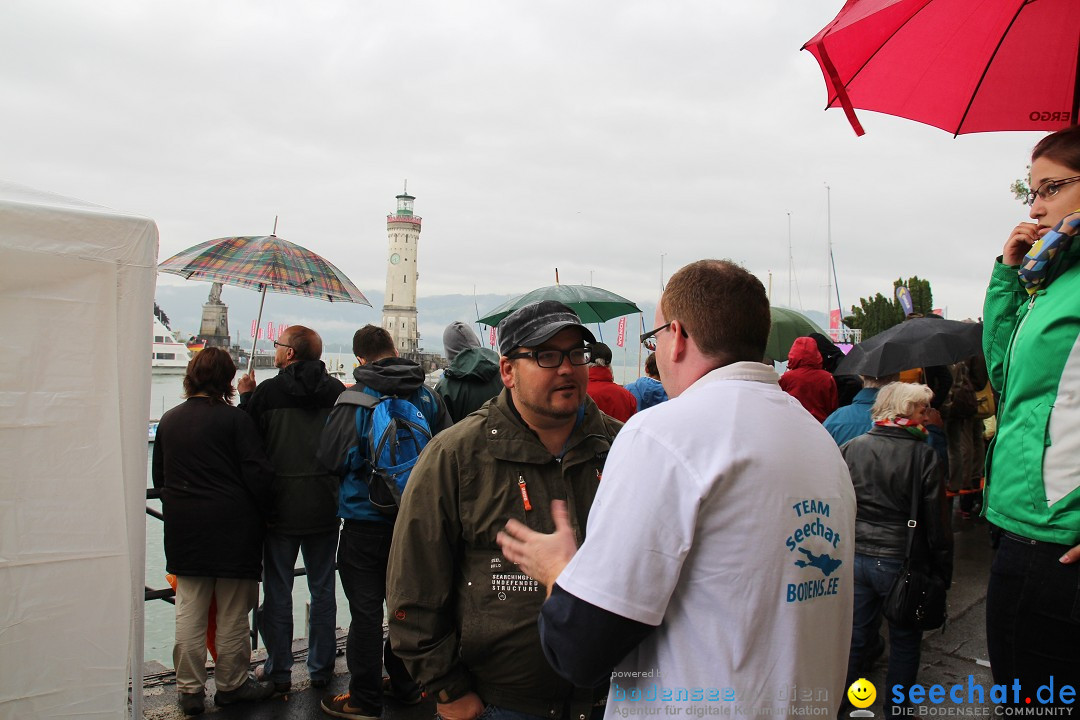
column 649, row 338
column 277, row 345
column 1049, row 189
column 554, row 358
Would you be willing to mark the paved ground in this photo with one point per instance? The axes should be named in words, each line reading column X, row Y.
column 949, row 656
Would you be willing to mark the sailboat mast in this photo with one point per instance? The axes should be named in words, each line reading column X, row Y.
column 790, row 260
column 829, row 269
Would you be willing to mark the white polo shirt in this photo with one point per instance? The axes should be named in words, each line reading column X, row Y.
column 727, row 517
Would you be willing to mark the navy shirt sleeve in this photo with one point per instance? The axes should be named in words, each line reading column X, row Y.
column 583, row 642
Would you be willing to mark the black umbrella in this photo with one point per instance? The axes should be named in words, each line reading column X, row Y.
column 916, row 343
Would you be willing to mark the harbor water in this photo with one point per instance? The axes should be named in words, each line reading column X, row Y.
column 166, row 392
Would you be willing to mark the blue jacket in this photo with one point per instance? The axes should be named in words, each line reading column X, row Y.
column 647, row 392
column 852, row 420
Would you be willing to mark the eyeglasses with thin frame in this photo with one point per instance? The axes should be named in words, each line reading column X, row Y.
column 649, row 338
column 1049, row 189
column 554, row 358
column 277, row 345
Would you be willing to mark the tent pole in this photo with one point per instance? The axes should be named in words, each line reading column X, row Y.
column 258, row 326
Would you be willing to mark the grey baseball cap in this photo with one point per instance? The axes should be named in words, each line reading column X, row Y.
column 537, row 322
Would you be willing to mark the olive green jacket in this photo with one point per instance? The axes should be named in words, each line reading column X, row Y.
column 462, row 617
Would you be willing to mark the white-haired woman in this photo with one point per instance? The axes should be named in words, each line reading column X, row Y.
column 885, row 464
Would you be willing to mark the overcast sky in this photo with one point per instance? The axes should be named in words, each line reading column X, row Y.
column 592, row 137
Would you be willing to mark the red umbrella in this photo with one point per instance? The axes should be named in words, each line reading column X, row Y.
column 964, row 66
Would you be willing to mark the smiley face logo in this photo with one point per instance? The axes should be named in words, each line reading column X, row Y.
column 862, row 693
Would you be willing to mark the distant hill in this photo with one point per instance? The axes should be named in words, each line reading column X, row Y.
column 336, row 322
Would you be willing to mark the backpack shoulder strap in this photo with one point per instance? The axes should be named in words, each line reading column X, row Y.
column 357, row 397
column 361, row 399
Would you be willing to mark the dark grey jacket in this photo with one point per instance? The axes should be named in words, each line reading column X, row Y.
column 884, row 464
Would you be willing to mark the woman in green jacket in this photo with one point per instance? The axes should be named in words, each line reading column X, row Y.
column 1031, row 339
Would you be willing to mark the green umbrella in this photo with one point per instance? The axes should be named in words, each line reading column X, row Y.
column 592, row 304
column 786, row 326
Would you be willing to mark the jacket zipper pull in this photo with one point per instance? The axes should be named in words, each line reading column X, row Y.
column 524, row 493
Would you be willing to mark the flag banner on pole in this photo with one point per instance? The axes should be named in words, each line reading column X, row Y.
column 260, row 333
column 270, row 331
column 834, row 319
column 491, row 338
column 903, row 296
column 253, row 328
column 621, row 339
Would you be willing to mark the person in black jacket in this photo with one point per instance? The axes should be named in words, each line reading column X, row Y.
column 214, row 476
column 885, row 465
column 290, row 410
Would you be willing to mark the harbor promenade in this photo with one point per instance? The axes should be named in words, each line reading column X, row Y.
column 949, row 656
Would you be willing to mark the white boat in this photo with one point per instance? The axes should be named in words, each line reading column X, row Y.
column 336, row 369
column 168, row 355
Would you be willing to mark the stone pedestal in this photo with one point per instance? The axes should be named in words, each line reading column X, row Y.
column 215, row 324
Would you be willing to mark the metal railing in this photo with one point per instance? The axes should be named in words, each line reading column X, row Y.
column 169, row 595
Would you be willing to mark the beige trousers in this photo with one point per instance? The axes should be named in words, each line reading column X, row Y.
column 235, row 599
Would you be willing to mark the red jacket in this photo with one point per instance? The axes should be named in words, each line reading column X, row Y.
column 614, row 400
column 807, row 382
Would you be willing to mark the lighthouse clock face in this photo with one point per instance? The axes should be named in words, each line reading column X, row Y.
column 395, row 258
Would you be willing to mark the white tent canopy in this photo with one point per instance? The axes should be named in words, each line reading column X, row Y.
column 76, row 293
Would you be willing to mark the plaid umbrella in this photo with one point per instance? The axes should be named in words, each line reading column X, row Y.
column 264, row 263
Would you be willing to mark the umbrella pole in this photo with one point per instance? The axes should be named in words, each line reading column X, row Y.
column 258, row 326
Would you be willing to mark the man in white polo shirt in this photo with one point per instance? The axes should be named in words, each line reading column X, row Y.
column 716, row 572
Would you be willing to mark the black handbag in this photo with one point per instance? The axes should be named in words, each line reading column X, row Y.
column 916, row 600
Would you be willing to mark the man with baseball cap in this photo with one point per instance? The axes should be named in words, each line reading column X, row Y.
column 462, row 618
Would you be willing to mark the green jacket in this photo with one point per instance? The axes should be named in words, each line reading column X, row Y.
column 1033, row 465
column 471, row 380
column 462, row 617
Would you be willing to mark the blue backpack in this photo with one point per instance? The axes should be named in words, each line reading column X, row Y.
column 396, row 432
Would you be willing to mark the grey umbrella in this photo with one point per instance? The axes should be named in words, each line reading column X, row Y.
column 916, row 343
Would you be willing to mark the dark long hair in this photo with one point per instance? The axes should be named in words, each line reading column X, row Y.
column 211, row 373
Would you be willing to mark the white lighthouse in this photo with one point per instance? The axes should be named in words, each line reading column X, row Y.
column 399, row 305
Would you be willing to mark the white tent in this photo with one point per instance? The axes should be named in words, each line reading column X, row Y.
column 76, row 293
